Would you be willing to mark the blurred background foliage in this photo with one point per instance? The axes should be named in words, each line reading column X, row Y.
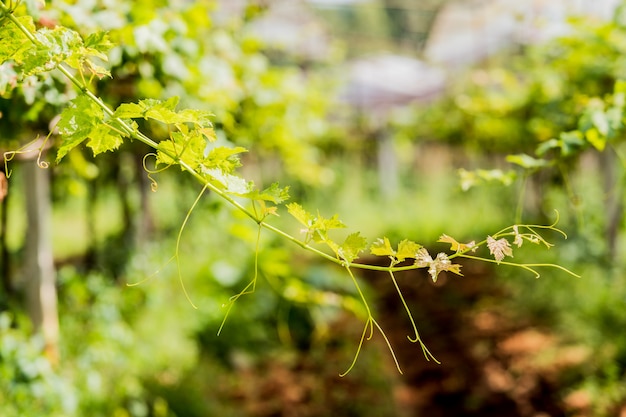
column 130, row 342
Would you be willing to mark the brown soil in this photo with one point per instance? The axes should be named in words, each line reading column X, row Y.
column 491, row 363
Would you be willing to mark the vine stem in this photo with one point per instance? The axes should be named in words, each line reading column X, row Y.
column 137, row 135
column 369, row 325
column 247, row 289
column 209, row 183
column 528, row 267
column 206, row 183
column 146, row 140
column 178, row 239
column 427, row 354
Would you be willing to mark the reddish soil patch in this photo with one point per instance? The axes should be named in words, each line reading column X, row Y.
column 491, row 364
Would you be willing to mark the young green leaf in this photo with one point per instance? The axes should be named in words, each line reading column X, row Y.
column 98, row 44
column 78, row 121
column 103, row 139
column 165, row 112
column 351, row 247
column 546, row 146
column 300, row 214
column 324, row 224
column 162, row 111
column 13, row 42
column 232, row 184
column 53, row 47
column 382, row 247
column 187, row 147
column 226, row 159
column 407, row 249
column 273, row 193
column 527, row 161
column 595, row 139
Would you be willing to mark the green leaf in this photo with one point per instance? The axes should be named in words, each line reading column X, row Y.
column 595, row 139
column 527, row 161
column 186, row 147
column 98, row 44
column 199, row 118
column 323, row 224
column 300, row 214
column 165, row 112
column 78, row 121
column 407, row 249
column 316, row 227
column 273, row 193
column 351, row 247
column 103, row 139
column 620, row 87
column 232, row 184
column 382, row 247
column 475, row 177
column 13, row 43
column 162, row 111
column 571, row 142
column 53, row 47
column 601, row 122
column 224, row 158
column 546, row 146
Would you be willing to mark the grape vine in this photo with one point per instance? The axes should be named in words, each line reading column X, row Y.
column 27, row 50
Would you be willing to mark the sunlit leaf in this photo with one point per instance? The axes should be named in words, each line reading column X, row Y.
column 300, row 214
column 103, row 139
column 78, row 120
column 98, row 44
column 162, row 111
column 454, row 245
column 407, row 249
column 273, row 193
column 351, row 247
column 499, row 248
column 601, row 122
column 546, row 146
column 595, row 139
column 325, row 224
column 185, row 147
column 13, row 43
column 53, row 47
column 224, row 158
column 571, row 142
column 423, row 258
column 232, row 184
column 526, row 161
column 382, row 247
column 442, row 263
column 475, row 177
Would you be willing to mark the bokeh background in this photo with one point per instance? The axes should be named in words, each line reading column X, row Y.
column 398, row 115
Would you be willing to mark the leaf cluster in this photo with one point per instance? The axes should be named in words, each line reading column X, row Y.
column 543, row 108
column 40, row 50
column 190, row 144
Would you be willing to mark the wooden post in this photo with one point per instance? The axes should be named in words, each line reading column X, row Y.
column 387, row 165
column 41, row 295
column 7, row 285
